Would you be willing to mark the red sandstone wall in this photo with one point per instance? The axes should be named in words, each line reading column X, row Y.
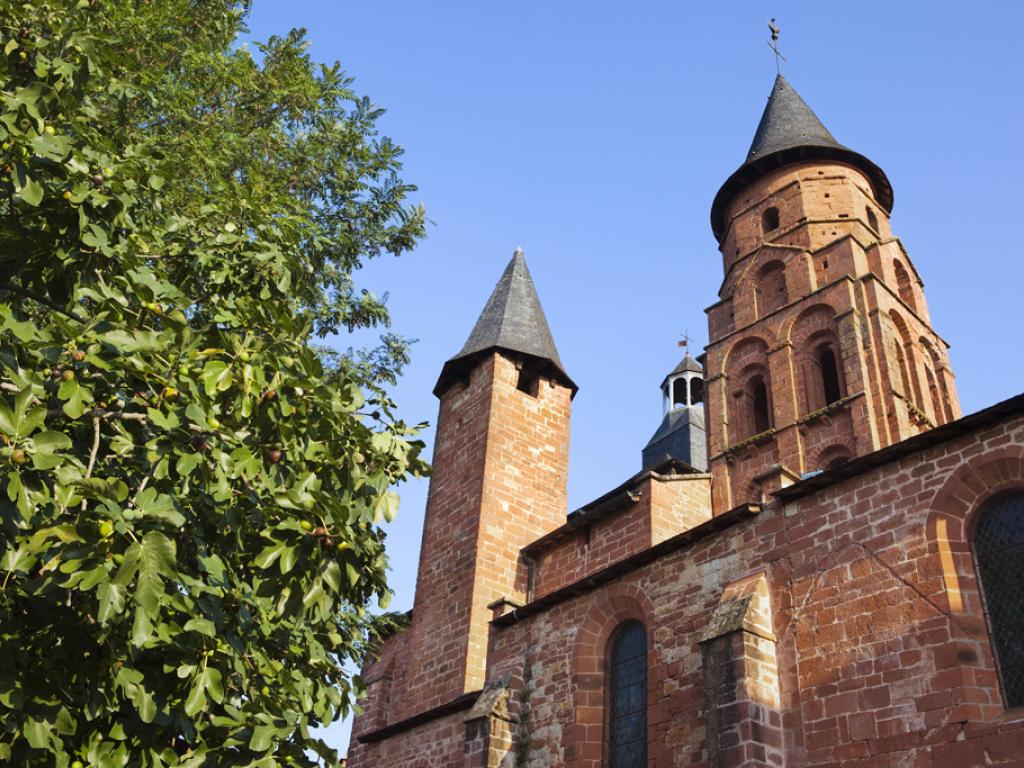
column 665, row 506
column 500, row 469
column 877, row 667
column 845, row 283
column 447, row 557
column 438, row 744
column 679, row 504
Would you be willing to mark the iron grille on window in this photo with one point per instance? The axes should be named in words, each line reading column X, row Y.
column 999, row 551
column 627, row 686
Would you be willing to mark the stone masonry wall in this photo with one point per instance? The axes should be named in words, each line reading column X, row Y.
column 665, row 505
column 882, row 651
column 500, row 469
column 829, row 275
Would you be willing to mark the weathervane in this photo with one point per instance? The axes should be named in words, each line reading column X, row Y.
column 686, row 340
column 774, row 45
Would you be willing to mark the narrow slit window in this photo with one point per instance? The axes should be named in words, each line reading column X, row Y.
column 872, row 220
column 829, row 375
column 759, row 403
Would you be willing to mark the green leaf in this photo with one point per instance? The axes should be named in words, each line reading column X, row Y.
column 150, row 503
column 196, row 700
column 332, row 575
column 214, row 684
column 111, row 601
column 156, row 560
column 202, row 626
column 268, row 555
column 287, row 561
column 386, row 507
column 216, row 377
column 20, row 560
column 262, row 738
column 37, row 733
column 51, row 147
column 129, row 565
column 163, row 420
column 51, row 442
column 77, row 396
column 27, row 188
column 145, row 704
column 142, row 628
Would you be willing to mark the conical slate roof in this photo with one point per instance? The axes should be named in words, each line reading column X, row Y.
column 788, row 122
column 513, row 320
column 789, row 132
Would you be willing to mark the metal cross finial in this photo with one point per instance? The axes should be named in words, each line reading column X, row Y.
column 774, row 45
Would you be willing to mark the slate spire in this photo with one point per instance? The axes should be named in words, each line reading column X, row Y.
column 512, row 320
column 788, row 122
column 789, row 132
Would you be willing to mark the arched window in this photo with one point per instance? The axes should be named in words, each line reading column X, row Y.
column 905, row 360
column 759, row 405
column 627, row 697
column 904, row 286
column 770, row 219
column 829, row 375
column 872, row 219
column 935, row 395
column 696, row 390
column 678, row 392
column 999, row 553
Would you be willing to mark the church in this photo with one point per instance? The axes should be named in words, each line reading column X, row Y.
column 819, row 563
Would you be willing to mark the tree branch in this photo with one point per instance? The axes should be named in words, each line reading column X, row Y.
column 95, row 450
column 42, row 300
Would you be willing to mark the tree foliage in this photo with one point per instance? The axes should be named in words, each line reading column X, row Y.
column 191, row 494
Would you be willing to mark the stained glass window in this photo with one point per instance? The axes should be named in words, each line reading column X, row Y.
column 999, row 552
column 627, row 688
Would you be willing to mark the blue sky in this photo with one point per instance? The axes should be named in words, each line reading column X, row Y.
column 595, row 134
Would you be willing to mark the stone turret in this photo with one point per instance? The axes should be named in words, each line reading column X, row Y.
column 501, row 460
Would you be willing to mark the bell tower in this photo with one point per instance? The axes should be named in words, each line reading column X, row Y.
column 821, row 347
column 681, row 434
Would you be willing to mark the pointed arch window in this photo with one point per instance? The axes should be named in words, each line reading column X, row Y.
column 999, row 555
column 627, row 697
